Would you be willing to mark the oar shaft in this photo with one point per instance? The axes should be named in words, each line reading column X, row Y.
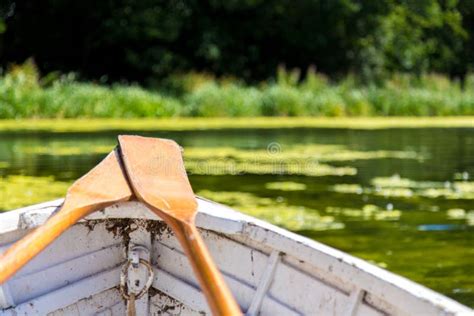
column 21, row 252
column 218, row 295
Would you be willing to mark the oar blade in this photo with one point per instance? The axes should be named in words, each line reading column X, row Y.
column 105, row 183
column 155, row 169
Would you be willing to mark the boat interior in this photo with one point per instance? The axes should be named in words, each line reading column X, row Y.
column 269, row 270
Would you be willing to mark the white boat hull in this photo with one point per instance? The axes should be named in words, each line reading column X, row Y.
column 270, row 271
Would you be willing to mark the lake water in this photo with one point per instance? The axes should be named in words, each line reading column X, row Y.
column 400, row 198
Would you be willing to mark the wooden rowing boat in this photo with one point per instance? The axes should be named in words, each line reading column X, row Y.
column 269, row 270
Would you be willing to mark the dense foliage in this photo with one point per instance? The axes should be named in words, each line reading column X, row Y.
column 147, row 40
column 24, row 94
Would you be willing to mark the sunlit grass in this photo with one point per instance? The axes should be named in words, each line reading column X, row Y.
column 188, row 124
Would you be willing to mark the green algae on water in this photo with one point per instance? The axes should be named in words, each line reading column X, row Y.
column 461, row 214
column 367, row 212
column 349, row 188
column 281, row 167
column 456, row 190
column 398, row 187
column 309, row 160
column 380, row 191
column 17, row 191
column 285, row 186
column 394, row 181
column 297, row 153
column 277, row 212
column 61, row 148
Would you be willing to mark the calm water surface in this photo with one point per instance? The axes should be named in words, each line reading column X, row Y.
column 400, row 198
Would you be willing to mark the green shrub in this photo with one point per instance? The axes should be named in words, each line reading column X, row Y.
column 213, row 99
column 283, row 101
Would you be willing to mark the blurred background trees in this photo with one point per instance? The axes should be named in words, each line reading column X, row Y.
column 146, row 41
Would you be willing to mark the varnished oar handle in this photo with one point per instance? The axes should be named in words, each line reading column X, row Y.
column 218, row 295
column 36, row 241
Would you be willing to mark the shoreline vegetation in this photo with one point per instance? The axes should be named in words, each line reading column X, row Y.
column 25, row 94
column 85, row 125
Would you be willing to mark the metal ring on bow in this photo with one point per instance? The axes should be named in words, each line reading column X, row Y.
column 124, row 275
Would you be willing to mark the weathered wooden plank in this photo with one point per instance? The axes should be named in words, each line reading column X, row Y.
column 264, row 284
column 56, row 276
column 76, row 242
column 180, row 290
column 67, row 295
column 355, row 300
column 175, row 263
column 6, row 298
column 249, row 267
column 391, row 288
column 108, row 302
column 161, row 303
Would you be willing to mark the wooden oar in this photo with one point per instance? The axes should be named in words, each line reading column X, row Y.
column 102, row 186
column 157, row 176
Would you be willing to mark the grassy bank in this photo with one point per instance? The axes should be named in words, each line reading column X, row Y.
column 188, row 124
column 24, row 94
